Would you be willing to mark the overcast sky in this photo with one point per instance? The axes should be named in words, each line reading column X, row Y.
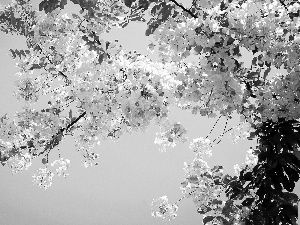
column 130, row 174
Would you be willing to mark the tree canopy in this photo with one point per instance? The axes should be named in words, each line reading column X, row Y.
column 117, row 91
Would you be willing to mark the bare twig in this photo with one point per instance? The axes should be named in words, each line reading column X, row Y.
column 184, row 9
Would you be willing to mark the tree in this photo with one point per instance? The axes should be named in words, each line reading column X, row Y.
column 118, row 91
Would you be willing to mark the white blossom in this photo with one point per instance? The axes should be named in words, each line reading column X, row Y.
column 63, row 165
column 162, row 209
column 43, row 178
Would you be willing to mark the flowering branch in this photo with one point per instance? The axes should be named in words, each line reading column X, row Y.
column 57, row 138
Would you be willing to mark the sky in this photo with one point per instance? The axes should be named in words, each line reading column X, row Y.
column 131, row 172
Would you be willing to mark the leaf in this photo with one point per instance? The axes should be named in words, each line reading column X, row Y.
column 76, row 1
column 124, row 24
column 293, row 175
column 248, row 201
column 101, row 58
column 207, row 175
column 236, row 51
column 297, row 154
column 289, row 210
column 144, row 4
column 13, row 53
column 287, row 184
column 293, row 160
column 156, row 8
column 223, row 6
column 230, row 41
column 49, row 5
column 252, row 75
column 227, row 178
column 75, row 16
column 248, row 176
column 128, row 3
column 63, row 3
column 266, row 73
column 166, row 12
column 44, row 160
column 275, row 179
column 252, row 135
column 198, row 49
column 22, row 53
column 70, row 113
column 204, row 210
column 216, row 202
column 42, row 5
column 35, row 66
column 162, row 12
column 273, row 208
column 217, row 168
column 225, row 222
column 227, row 209
column 207, row 219
column 286, row 128
column 291, row 197
column 152, row 26
column 257, row 83
column 184, row 184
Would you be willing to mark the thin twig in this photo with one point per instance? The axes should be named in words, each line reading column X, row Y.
column 213, row 126
column 223, row 132
column 185, row 196
column 75, row 121
column 184, row 9
column 282, row 3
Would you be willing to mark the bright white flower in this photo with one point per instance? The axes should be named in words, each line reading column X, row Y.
column 237, row 169
column 294, row 7
column 162, row 209
column 19, row 162
column 250, row 163
column 43, row 178
column 170, row 135
column 241, row 132
column 63, row 165
column 89, row 158
column 215, row 221
column 201, row 146
column 197, row 167
column 251, row 159
column 28, row 88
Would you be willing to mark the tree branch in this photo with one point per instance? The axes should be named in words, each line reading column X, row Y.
column 58, row 136
column 282, row 3
column 184, row 9
column 75, row 121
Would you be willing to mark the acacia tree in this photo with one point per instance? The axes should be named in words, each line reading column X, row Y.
column 117, row 91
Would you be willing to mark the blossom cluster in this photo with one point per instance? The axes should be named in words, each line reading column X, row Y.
column 43, row 178
column 63, row 165
column 162, row 209
column 19, row 162
column 241, row 131
column 170, row 134
column 201, row 146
